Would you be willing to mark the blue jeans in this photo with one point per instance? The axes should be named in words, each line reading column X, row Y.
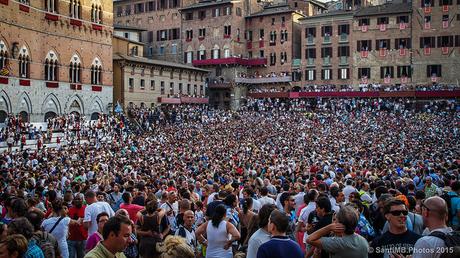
column 76, row 248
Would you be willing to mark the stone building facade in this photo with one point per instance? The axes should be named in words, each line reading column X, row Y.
column 55, row 58
column 144, row 82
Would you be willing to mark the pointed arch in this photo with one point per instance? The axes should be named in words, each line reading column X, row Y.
column 24, row 103
column 51, row 104
column 52, row 56
column 75, row 104
column 96, row 71
column 96, row 105
column 75, row 69
column 51, row 66
column 5, row 102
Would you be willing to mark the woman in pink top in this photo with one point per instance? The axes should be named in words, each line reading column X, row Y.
column 94, row 239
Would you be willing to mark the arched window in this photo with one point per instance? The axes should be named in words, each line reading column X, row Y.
column 96, row 72
column 51, row 67
column 75, row 9
column 75, row 69
column 96, row 13
column 24, row 63
column 216, row 52
column 51, row 6
column 226, row 51
column 3, row 55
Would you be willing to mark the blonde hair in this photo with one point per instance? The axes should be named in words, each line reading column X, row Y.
column 175, row 246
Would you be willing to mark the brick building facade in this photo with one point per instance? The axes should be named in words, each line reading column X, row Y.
column 390, row 44
column 382, row 44
column 435, row 41
column 326, row 49
column 55, row 58
column 161, row 21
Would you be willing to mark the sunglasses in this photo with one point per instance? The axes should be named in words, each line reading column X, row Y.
column 398, row 213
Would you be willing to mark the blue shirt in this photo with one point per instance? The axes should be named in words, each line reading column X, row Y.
column 280, row 247
column 33, row 251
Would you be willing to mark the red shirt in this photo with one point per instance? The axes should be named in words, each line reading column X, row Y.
column 76, row 232
column 132, row 209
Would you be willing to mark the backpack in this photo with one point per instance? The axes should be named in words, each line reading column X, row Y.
column 452, row 242
column 47, row 244
column 448, row 199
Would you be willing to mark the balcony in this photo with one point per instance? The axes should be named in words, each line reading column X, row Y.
column 310, row 61
column 163, row 100
column 261, row 43
column 310, row 40
column 343, row 60
column 231, row 61
column 327, row 39
column 343, row 37
column 216, row 84
column 327, row 60
column 194, row 100
column 264, row 80
column 296, row 63
column 249, row 45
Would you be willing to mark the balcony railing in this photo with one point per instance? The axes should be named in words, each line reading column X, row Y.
column 262, row 80
column 343, row 37
column 310, row 40
column 327, row 39
column 326, row 60
column 231, row 61
column 343, row 60
column 310, row 61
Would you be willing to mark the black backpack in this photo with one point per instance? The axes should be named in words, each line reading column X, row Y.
column 452, row 242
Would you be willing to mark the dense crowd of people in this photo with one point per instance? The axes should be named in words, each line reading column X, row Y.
column 277, row 178
column 364, row 87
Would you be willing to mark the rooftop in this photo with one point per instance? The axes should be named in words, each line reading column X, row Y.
column 125, row 27
column 275, row 9
column 144, row 60
column 384, row 9
column 205, row 3
column 332, row 13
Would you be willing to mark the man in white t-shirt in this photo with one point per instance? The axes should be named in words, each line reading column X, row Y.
column 172, row 209
column 265, row 199
column 92, row 210
column 302, row 221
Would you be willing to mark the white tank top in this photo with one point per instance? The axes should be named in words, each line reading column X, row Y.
column 217, row 238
